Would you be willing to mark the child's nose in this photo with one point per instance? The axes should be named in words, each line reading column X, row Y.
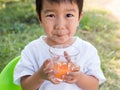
column 60, row 23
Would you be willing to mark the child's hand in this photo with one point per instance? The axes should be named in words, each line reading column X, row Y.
column 73, row 76
column 47, row 73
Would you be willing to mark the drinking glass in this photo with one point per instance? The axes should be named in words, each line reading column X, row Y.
column 67, row 59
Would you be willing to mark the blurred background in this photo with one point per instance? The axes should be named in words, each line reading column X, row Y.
column 100, row 25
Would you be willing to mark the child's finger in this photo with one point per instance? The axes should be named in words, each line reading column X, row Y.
column 47, row 70
column 48, row 64
column 56, row 58
column 53, row 79
column 69, row 79
column 76, row 68
column 67, row 57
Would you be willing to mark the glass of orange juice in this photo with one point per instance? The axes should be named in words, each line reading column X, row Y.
column 65, row 63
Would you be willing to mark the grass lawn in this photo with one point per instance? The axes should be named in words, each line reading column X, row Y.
column 19, row 26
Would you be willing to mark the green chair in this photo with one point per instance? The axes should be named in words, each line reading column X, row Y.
column 6, row 76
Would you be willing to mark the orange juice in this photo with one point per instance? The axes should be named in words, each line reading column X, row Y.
column 62, row 68
column 67, row 57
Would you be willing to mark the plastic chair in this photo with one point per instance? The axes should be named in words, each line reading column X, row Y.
column 6, row 76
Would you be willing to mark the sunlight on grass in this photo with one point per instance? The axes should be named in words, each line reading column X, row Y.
column 96, row 20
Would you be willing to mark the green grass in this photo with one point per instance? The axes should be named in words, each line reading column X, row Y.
column 19, row 26
column 96, row 20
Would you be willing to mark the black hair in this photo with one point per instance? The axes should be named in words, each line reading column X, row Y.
column 39, row 5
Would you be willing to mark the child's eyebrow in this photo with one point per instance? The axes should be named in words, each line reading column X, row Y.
column 48, row 10
column 71, row 10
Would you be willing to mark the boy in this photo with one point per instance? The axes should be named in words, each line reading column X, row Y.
column 59, row 19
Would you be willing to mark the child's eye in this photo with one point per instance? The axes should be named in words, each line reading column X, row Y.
column 51, row 15
column 69, row 15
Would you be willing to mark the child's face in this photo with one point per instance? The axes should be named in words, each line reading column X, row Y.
column 59, row 21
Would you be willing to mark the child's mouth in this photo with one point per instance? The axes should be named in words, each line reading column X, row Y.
column 60, row 36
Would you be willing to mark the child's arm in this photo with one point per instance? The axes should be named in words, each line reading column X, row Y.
column 86, row 82
column 34, row 81
column 31, row 82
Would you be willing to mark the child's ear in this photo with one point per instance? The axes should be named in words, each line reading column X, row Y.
column 38, row 19
column 80, row 16
column 37, row 16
